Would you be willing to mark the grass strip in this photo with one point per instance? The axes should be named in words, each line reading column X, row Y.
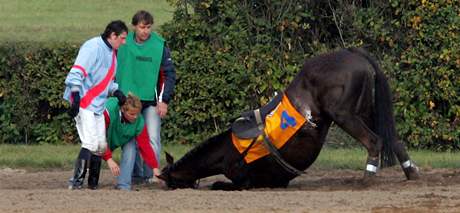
column 63, row 156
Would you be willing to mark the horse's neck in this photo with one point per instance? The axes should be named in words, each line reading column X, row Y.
column 206, row 159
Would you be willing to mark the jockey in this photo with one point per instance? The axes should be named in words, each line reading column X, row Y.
column 88, row 84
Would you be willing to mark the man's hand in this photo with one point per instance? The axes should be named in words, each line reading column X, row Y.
column 120, row 96
column 113, row 167
column 75, row 107
column 162, row 109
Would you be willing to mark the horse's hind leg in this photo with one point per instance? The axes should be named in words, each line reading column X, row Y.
column 355, row 126
column 408, row 166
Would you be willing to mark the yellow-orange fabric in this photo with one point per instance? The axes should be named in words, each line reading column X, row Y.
column 280, row 125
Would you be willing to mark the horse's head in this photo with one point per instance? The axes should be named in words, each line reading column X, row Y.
column 174, row 179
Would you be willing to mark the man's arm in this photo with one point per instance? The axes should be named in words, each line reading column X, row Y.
column 166, row 83
column 108, row 153
column 86, row 58
column 167, row 78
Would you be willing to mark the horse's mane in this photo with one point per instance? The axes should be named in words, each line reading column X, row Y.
column 201, row 148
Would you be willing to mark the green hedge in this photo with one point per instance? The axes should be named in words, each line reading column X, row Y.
column 233, row 55
column 31, row 88
column 419, row 42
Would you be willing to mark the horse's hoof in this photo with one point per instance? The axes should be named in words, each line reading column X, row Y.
column 368, row 174
column 411, row 173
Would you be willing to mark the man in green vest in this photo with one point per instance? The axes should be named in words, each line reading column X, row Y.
column 145, row 69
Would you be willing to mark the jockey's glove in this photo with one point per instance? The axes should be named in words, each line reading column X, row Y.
column 120, row 96
column 75, row 107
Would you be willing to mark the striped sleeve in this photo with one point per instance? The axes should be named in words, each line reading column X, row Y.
column 82, row 67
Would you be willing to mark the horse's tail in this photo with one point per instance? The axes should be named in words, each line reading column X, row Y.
column 384, row 122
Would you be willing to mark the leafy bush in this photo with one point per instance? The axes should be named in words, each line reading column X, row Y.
column 419, row 42
column 31, row 94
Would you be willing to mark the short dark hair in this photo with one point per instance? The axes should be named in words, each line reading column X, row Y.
column 117, row 27
column 142, row 16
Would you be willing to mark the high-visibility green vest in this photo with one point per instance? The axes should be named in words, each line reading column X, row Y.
column 120, row 133
column 139, row 66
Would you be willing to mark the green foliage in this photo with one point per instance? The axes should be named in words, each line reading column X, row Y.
column 231, row 56
column 432, row 52
column 420, row 45
column 31, row 94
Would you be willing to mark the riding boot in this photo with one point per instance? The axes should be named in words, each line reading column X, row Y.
column 76, row 182
column 94, row 171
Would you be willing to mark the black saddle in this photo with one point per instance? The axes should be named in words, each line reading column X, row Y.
column 251, row 123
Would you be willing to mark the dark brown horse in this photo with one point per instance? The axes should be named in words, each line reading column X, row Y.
column 346, row 87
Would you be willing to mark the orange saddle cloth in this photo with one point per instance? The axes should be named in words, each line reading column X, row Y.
column 280, row 125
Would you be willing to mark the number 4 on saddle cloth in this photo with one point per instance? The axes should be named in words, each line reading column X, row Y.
column 279, row 120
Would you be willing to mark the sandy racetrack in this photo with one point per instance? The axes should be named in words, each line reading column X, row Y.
column 438, row 190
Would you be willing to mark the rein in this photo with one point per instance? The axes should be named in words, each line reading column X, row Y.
column 270, row 147
column 247, row 149
column 274, row 151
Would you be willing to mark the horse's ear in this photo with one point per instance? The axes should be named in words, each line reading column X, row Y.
column 169, row 158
